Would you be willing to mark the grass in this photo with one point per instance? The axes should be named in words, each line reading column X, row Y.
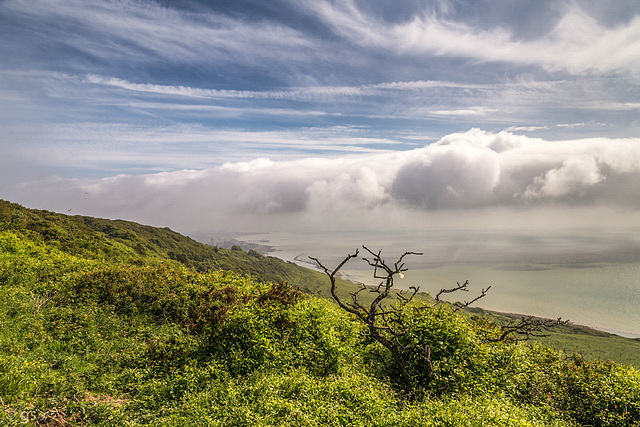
column 93, row 335
column 593, row 344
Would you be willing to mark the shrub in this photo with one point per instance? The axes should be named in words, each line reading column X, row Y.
column 591, row 392
column 197, row 301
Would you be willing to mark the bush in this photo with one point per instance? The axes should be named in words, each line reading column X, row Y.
column 457, row 349
column 592, row 393
column 196, row 301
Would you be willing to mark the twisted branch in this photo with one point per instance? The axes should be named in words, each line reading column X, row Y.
column 529, row 326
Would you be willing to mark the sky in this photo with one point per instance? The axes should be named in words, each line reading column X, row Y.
column 329, row 115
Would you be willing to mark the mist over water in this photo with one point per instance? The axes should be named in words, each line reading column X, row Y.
column 586, row 276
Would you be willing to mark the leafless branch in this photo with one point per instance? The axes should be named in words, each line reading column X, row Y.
column 466, row 304
column 527, row 327
column 460, row 287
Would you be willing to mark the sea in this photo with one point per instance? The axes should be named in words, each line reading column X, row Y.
column 583, row 276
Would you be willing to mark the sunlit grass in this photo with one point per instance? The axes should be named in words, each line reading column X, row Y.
column 88, row 340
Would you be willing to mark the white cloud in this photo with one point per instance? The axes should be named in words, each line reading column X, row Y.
column 321, row 94
column 139, row 32
column 316, row 94
column 447, row 176
column 470, row 170
column 574, row 175
column 524, row 128
column 359, row 188
column 578, row 43
column 473, row 111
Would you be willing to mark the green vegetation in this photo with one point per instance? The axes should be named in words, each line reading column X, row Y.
column 118, row 241
column 95, row 332
column 593, row 344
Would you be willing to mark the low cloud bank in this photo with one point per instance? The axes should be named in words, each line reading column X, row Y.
column 502, row 173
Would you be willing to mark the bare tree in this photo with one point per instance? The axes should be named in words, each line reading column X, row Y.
column 385, row 316
column 385, row 321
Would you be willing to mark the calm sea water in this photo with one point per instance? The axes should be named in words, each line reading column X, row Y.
column 590, row 279
column 606, row 297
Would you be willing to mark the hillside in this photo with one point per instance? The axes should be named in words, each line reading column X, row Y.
column 96, row 332
column 132, row 243
column 136, row 244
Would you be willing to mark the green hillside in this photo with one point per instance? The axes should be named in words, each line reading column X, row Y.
column 131, row 243
column 111, row 323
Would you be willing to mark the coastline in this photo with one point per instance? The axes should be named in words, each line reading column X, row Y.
column 601, row 297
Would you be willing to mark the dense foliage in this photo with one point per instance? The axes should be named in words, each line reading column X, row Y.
column 88, row 338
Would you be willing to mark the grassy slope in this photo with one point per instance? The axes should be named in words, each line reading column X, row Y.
column 95, row 332
column 133, row 243
column 120, row 345
column 125, row 241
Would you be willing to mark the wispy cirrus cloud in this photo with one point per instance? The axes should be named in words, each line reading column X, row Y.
column 304, row 94
column 145, row 32
column 577, row 44
column 133, row 33
column 447, row 99
column 312, row 93
column 471, row 111
column 109, row 149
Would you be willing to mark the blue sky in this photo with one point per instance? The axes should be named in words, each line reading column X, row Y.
column 216, row 115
